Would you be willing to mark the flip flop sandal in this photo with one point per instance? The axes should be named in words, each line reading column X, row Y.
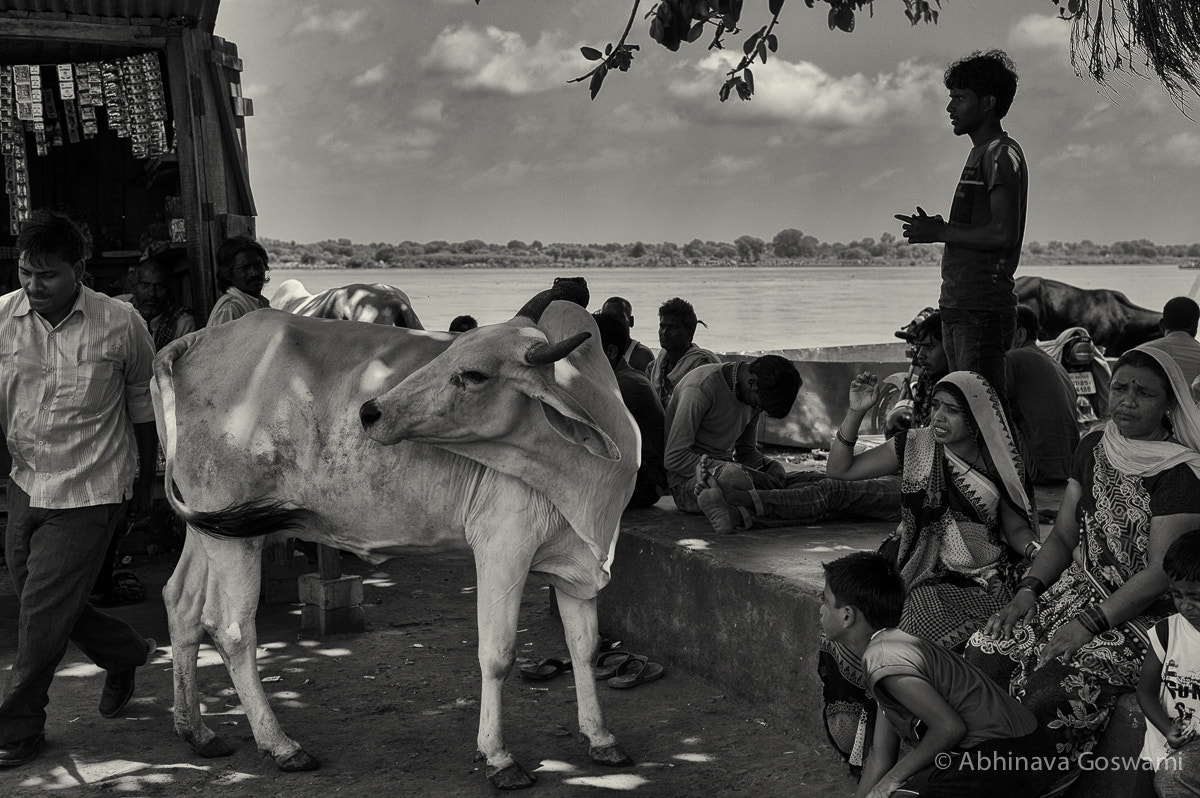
column 634, row 671
column 608, row 662
column 546, row 669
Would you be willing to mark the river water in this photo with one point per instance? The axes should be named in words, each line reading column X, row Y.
column 746, row 309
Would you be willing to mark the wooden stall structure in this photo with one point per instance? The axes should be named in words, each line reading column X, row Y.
column 129, row 116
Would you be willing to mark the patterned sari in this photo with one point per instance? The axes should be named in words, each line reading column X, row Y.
column 951, row 551
column 1120, row 480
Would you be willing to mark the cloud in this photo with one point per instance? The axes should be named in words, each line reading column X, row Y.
column 374, row 75
column 1179, row 150
column 498, row 61
column 628, row 118
column 382, row 147
column 804, row 93
column 430, row 112
column 1041, row 32
column 1074, row 157
column 341, row 22
column 725, row 166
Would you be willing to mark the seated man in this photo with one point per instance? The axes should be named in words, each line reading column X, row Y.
column 1043, row 403
column 716, row 411
column 954, row 720
column 676, row 327
column 1180, row 320
column 643, row 406
column 727, row 495
column 152, row 296
column 241, row 273
column 636, row 354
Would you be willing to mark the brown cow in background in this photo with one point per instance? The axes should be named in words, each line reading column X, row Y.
column 1114, row 322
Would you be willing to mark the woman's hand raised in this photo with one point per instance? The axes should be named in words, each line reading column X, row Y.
column 864, row 392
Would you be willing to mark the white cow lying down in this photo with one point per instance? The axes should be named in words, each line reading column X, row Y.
column 511, row 439
column 374, row 303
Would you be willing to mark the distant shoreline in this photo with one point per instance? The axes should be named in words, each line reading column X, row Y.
column 764, row 264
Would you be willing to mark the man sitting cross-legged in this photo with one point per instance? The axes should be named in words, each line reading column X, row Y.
column 716, row 411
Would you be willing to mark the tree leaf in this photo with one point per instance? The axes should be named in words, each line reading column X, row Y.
column 591, row 53
column 762, row 52
column 832, row 18
column 597, row 80
column 773, row 42
column 749, row 79
column 696, row 32
column 749, row 45
column 775, row 6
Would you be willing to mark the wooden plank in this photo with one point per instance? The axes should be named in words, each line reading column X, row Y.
column 191, row 178
column 71, row 31
column 235, row 146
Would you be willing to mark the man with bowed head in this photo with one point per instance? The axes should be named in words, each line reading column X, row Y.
column 76, row 412
column 987, row 220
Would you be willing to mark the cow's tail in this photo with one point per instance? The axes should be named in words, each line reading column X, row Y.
column 246, row 520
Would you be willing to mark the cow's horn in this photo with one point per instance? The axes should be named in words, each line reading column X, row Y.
column 541, row 354
column 572, row 289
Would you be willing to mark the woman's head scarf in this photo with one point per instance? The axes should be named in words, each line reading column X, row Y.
column 1147, row 458
column 996, row 442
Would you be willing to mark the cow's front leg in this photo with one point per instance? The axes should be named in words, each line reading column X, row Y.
column 501, row 571
column 582, row 632
column 183, row 597
column 229, row 619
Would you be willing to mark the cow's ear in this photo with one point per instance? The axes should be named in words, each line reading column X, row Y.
column 570, row 420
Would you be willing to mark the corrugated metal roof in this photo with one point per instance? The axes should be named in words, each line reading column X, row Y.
column 203, row 11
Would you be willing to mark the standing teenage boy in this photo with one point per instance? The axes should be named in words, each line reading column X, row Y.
column 987, row 220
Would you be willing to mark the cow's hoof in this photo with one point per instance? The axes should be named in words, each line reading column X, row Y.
column 510, row 777
column 610, row 755
column 214, row 747
column 299, row 761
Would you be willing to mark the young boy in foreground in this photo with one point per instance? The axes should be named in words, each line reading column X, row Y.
column 967, row 735
column 1169, row 690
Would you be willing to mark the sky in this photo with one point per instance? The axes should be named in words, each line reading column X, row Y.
column 395, row 120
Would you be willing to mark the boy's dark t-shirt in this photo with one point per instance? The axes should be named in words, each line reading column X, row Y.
column 988, row 711
column 983, row 279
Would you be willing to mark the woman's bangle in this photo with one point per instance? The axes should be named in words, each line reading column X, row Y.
column 1031, row 549
column 843, row 440
column 1094, row 620
column 1032, row 583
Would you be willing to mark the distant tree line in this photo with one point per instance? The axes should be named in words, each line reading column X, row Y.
column 789, row 247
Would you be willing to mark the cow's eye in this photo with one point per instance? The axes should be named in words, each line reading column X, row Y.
column 475, row 376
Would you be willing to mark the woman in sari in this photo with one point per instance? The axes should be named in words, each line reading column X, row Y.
column 1068, row 651
column 965, row 522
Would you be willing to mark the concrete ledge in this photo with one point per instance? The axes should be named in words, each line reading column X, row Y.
column 742, row 610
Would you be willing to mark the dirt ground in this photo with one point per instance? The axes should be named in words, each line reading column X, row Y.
column 394, row 711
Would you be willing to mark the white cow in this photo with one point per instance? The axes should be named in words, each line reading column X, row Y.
column 496, row 439
column 374, row 303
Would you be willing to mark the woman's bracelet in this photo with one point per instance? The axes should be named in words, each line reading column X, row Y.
column 1032, row 583
column 1031, row 549
column 1094, row 620
column 843, row 440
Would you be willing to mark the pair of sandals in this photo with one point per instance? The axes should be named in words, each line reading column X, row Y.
column 620, row 669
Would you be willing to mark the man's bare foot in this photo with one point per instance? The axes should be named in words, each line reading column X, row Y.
column 717, row 482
